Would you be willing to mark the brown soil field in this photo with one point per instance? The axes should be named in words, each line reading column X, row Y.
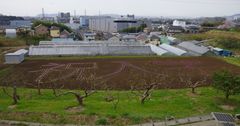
column 117, row 74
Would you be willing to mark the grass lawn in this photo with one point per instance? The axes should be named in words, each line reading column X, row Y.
column 173, row 102
column 233, row 60
column 223, row 39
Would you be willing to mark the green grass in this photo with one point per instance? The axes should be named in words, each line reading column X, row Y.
column 50, row 109
column 10, row 42
column 223, row 39
column 232, row 60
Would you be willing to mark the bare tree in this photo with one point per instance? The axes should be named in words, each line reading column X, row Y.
column 192, row 81
column 111, row 96
column 145, row 92
column 15, row 97
column 38, row 87
column 143, row 86
column 80, row 96
column 115, row 101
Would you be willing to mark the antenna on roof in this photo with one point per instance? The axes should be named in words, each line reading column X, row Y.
column 85, row 12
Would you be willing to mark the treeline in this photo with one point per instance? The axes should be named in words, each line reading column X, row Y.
column 211, row 24
column 5, row 20
column 134, row 29
column 50, row 24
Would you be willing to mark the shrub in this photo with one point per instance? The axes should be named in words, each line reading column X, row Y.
column 227, row 82
column 101, row 121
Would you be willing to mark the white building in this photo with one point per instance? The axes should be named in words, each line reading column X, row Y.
column 102, row 23
column 111, row 25
column 89, row 36
column 11, row 33
column 16, row 57
column 84, row 21
column 174, row 50
column 89, row 48
column 179, row 23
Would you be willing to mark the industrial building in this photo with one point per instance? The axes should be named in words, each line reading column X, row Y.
column 174, row 50
column 20, row 23
column 195, row 50
column 63, row 17
column 92, row 48
column 110, row 24
column 16, row 57
column 84, row 21
column 159, row 51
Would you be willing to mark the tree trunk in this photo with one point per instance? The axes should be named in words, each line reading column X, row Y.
column 39, row 91
column 227, row 95
column 193, row 90
column 143, row 99
column 15, row 96
column 79, row 99
column 54, row 92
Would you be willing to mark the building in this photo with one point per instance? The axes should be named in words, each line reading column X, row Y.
column 16, row 57
column 114, row 39
column 195, row 50
column 89, row 36
column 172, row 40
column 65, row 34
column 20, row 23
column 89, row 48
column 84, row 21
column 179, row 23
column 222, row 52
column 74, row 26
column 64, row 17
column 103, row 24
column 129, row 38
column 11, row 33
column 111, row 25
column 142, row 38
column 159, row 51
column 147, row 30
column 192, row 29
column 154, row 39
column 174, row 50
column 41, row 30
column 58, row 40
column 175, row 29
column 55, row 32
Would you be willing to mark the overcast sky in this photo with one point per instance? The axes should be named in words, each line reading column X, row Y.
column 183, row 8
